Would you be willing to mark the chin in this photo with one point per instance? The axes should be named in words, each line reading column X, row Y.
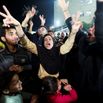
column 48, row 48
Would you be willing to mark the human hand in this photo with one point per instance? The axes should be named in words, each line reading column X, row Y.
column 16, row 68
column 67, row 87
column 31, row 13
column 76, row 23
column 8, row 18
column 31, row 23
column 64, row 81
column 63, row 4
column 42, row 19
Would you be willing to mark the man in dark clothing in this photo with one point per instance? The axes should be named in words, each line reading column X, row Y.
column 84, row 62
column 15, row 58
column 99, row 39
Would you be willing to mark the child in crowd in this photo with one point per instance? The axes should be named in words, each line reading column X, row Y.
column 10, row 88
column 52, row 91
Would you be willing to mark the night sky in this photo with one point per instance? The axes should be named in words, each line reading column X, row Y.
column 16, row 8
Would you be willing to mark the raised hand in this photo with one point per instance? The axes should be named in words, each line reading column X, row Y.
column 76, row 23
column 31, row 13
column 64, row 81
column 63, row 4
column 42, row 19
column 65, row 8
column 31, row 23
column 8, row 18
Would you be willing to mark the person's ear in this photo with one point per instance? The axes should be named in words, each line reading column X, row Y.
column 3, row 39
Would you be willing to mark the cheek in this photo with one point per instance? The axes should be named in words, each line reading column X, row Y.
column 52, row 42
column 13, row 88
column 16, row 88
column 9, row 38
column 44, row 43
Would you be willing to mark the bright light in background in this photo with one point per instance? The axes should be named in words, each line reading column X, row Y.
column 58, row 15
column 57, row 23
column 87, row 1
column 86, row 7
column 52, row 27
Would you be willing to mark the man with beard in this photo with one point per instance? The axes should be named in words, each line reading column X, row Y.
column 15, row 58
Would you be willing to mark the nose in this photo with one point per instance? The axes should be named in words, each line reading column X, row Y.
column 20, row 81
column 16, row 38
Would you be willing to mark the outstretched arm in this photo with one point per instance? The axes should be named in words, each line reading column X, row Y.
column 30, row 14
column 10, row 20
column 65, row 8
column 30, row 26
column 67, row 46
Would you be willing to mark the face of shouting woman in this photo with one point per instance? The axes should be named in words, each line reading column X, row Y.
column 48, row 42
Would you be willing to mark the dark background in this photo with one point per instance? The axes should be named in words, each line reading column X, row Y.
column 17, row 7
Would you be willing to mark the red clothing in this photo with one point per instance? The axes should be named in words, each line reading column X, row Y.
column 60, row 98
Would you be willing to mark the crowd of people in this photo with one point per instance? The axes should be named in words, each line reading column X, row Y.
column 37, row 68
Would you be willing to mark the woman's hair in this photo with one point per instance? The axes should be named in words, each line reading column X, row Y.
column 49, row 85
